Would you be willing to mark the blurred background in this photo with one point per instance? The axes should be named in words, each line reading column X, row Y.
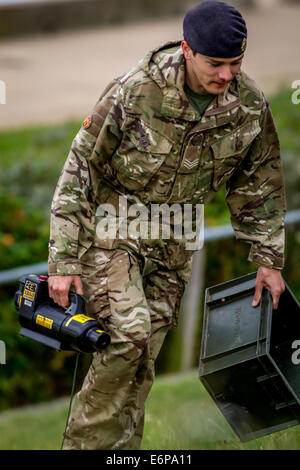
column 56, row 57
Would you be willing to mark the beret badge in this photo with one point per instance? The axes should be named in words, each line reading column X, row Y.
column 244, row 44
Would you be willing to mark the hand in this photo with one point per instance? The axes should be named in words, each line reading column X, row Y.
column 59, row 287
column 270, row 279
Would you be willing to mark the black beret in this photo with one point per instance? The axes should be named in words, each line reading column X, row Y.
column 215, row 29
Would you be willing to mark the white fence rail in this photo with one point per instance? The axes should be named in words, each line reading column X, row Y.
column 210, row 234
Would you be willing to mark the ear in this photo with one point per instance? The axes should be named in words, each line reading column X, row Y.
column 187, row 51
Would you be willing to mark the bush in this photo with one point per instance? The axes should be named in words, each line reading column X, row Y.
column 24, row 234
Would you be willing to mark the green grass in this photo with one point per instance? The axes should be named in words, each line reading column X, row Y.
column 45, row 143
column 32, row 159
column 179, row 415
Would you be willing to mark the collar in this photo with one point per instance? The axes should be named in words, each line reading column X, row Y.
column 167, row 69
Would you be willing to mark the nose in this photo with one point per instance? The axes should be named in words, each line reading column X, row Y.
column 225, row 73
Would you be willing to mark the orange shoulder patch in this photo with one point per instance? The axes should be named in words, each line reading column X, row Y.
column 87, row 122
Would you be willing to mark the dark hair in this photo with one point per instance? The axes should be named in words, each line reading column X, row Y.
column 194, row 52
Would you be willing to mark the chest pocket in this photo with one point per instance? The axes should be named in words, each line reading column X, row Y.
column 229, row 151
column 140, row 155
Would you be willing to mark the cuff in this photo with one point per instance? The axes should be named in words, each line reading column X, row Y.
column 67, row 267
column 266, row 257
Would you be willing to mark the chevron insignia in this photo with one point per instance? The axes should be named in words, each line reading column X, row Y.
column 189, row 165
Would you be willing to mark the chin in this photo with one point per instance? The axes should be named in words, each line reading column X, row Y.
column 216, row 89
column 213, row 88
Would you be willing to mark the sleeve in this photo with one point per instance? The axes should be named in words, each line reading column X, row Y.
column 256, row 197
column 73, row 207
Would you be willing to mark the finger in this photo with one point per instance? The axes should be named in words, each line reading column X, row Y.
column 52, row 282
column 276, row 297
column 57, row 298
column 275, row 303
column 257, row 295
column 50, row 288
column 78, row 285
column 63, row 301
column 64, row 296
column 54, row 291
column 61, row 292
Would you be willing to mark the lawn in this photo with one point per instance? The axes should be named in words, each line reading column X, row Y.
column 180, row 416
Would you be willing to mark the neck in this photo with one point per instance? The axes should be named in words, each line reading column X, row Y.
column 192, row 81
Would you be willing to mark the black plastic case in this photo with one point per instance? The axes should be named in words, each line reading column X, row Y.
column 250, row 357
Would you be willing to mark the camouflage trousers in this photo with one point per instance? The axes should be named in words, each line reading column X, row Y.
column 137, row 310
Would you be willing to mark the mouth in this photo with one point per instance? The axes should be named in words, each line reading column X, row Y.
column 220, row 84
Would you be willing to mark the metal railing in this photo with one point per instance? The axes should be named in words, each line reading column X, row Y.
column 210, row 234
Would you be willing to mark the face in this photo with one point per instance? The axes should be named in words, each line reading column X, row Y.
column 209, row 74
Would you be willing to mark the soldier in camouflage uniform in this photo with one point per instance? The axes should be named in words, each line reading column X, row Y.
column 145, row 142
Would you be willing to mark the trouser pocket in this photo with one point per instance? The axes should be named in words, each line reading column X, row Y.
column 113, row 288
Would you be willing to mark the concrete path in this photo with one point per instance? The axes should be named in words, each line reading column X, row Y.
column 57, row 77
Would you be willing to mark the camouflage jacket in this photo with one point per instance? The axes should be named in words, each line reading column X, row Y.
column 144, row 140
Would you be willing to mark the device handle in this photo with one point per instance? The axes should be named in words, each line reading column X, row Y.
column 77, row 304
